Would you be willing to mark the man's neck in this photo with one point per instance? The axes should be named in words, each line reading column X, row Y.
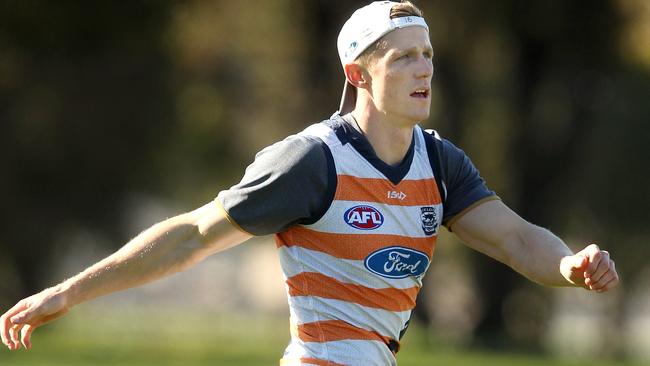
column 389, row 139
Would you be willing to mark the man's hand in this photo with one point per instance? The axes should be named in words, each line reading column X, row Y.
column 165, row 248
column 18, row 323
column 590, row 268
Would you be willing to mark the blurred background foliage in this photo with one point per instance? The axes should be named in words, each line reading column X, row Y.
column 116, row 114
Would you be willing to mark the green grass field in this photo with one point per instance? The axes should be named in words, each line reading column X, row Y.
column 92, row 338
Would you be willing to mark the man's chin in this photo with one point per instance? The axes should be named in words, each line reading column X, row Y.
column 418, row 117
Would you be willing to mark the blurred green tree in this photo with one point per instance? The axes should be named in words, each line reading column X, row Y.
column 100, row 100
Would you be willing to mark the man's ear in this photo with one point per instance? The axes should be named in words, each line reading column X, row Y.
column 357, row 75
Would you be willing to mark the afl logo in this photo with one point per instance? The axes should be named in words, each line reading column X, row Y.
column 363, row 217
column 397, row 262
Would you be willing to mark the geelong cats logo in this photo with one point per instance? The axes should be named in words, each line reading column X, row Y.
column 430, row 220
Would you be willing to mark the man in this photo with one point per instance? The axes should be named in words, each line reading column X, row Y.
column 355, row 202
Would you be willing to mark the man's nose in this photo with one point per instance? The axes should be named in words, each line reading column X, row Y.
column 424, row 68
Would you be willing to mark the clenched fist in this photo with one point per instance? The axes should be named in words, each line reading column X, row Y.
column 591, row 268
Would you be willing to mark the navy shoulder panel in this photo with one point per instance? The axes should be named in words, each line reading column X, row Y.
column 434, row 151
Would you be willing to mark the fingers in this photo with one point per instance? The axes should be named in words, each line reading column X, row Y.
column 11, row 335
column 612, row 283
column 26, row 335
column 18, row 329
column 600, row 273
column 6, row 325
column 14, row 332
column 594, row 255
column 598, row 266
column 607, row 281
column 4, row 329
column 18, row 323
column 20, row 334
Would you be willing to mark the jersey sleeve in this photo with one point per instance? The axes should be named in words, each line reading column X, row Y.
column 465, row 186
column 288, row 183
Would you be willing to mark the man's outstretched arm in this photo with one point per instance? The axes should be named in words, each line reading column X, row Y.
column 168, row 247
column 493, row 229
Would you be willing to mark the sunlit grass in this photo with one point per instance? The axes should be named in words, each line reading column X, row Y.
column 102, row 337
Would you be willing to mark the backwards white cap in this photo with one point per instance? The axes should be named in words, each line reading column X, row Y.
column 365, row 27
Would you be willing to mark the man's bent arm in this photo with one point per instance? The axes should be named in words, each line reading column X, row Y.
column 165, row 248
column 493, row 229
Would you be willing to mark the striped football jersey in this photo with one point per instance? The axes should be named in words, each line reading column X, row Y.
column 353, row 276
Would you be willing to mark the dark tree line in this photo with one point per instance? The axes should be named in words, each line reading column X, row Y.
column 94, row 100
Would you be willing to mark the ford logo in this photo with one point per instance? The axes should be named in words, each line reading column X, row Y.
column 363, row 217
column 397, row 262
